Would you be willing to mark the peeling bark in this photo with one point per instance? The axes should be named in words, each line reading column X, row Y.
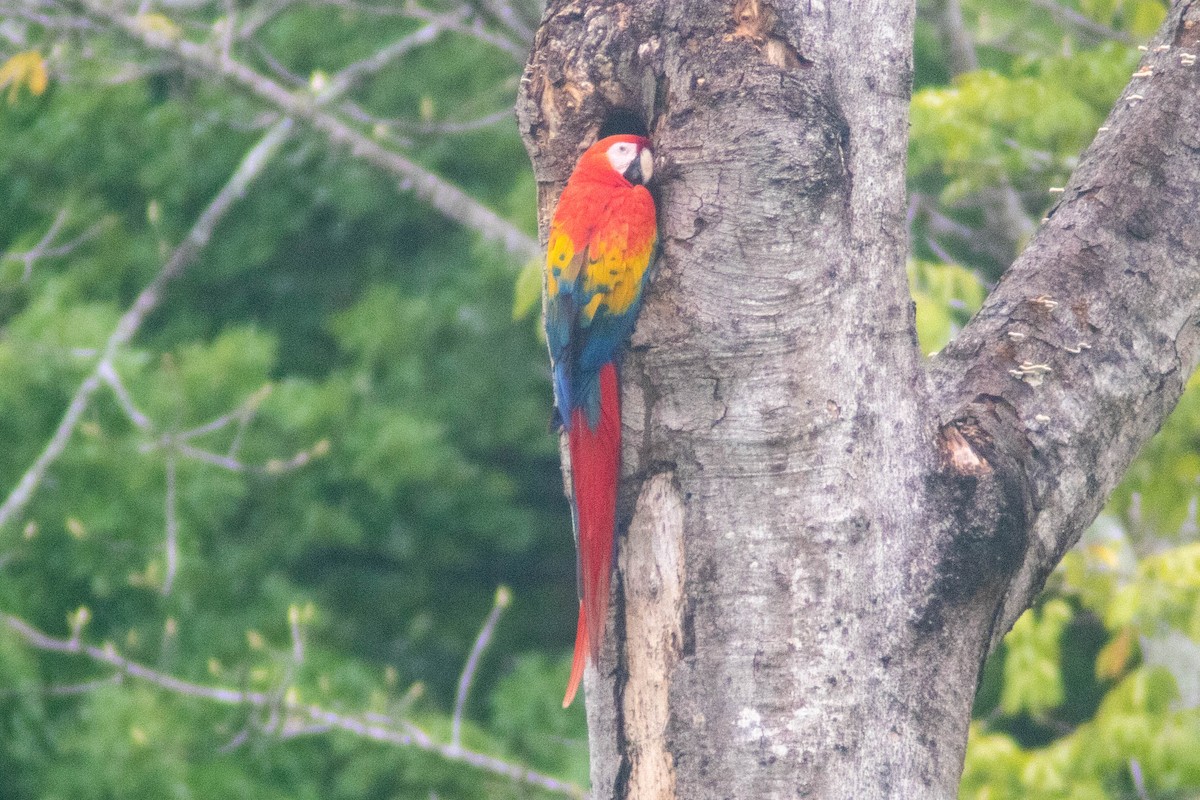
column 828, row 534
column 652, row 565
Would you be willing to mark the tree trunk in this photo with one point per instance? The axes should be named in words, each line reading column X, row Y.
column 823, row 536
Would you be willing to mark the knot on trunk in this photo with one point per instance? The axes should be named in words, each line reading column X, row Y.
column 981, row 495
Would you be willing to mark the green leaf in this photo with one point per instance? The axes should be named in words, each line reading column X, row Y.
column 528, row 290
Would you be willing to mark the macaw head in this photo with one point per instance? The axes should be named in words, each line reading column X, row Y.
column 628, row 156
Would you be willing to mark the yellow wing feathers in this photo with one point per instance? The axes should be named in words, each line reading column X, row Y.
column 561, row 264
column 612, row 271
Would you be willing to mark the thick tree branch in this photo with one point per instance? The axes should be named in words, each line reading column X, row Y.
column 293, row 717
column 1085, row 346
column 131, row 321
column 448, row 199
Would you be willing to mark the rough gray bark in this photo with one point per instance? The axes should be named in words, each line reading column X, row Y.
column 824, row 536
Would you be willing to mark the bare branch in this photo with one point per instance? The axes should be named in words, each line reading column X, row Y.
column 503, row 598
column 1004, row 216
column 45, row 248
column 939, row 251
column 349, row 76
column 469, row 125
column 1073, row 18
column 300, row 718
column 171, row 522
column 259, row 16
column 227, row 27
column 448, row 199
column 248, row 170
column 461, row 22
column 109, row 375
column 242, row 414
column 297, row 634
column 39, row 249
column 67, row 689
column 52, row 21
column 466, row 126
column 276, row 466
column 277, row 67
column 959, row 44
column 1139, row 782
column 225, row 462
column 504, row 12
column 85, row 687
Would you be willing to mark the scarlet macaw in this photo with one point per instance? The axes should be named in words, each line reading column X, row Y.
column 602, row 238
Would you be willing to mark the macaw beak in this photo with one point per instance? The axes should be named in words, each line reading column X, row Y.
column 642, row 168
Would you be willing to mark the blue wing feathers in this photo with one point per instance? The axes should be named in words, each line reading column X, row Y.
column 579, row 347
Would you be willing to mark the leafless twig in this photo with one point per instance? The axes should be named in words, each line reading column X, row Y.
column 503, row 598
column 1005, row 215
column 228, row 27
column 1072, row 17
column 466, row 126
column 466, row 24
column 53, row 21
column 108, row 374
column 1139, row 783
column 171, row 522
column 260, row 15
column 297, row 633
column 295, row 715
column 446, row 198
column 66, row 689
column 939, row 251
column 459, row 20
column 349, row 76
column 276, row 466
column 46, row 248
column 242, row 415
column 276, row 66
column 503, row 11
column 129, row 324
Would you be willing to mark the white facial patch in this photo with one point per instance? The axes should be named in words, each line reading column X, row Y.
column 621, row 155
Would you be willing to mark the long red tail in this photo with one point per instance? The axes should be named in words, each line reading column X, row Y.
column 595, row 465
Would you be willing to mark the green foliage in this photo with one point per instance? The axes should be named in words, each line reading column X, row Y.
column 528, row 291
column 315, row 411
column 946, row 295
column 347, row 403
column 1032, row 680
column 527, row 713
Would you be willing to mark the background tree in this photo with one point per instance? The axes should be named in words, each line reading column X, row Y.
column 270, row 437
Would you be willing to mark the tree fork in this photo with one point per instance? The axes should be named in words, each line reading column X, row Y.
column 825, row 537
